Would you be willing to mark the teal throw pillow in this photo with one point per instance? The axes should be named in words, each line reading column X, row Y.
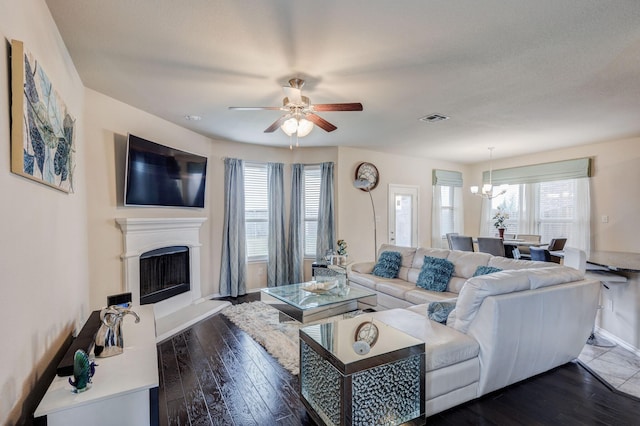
column 439, row 311
column 484, row 270
column 435, row 274
column 388, row 264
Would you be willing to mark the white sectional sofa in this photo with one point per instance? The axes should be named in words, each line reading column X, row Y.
column 506, row 326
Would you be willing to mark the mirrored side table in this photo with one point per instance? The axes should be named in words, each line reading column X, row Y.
column 340, row 387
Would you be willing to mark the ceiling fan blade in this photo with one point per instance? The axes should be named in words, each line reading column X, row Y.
column 255, row 108
column 355, row 106
column 294, row 95
column 320, row 122
column 276, row 124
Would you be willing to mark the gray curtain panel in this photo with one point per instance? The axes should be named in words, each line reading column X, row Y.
column 326, row 228
column 296, row 225
column 233, row 268
column 277, row 264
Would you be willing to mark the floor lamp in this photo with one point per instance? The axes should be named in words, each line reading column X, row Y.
column 366, row 186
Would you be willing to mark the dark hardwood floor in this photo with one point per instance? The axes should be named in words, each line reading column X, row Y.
column 214, row 374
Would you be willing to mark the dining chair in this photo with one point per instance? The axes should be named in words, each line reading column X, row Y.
column 540, row 254
column 509, row 236
column 494, row 246
column 556, row 244
column 449, row 235
column 530, row 238
column 461, row 242
column 511, row 251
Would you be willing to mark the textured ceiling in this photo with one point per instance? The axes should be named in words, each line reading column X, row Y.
column 521, row 75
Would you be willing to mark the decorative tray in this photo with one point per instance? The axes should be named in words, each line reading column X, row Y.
column 320, row 287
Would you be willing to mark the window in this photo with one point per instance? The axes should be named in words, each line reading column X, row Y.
column 510, row 202
column 552, row 209
column 549, row 199
column 446, row 210
column 256, row 208
column 556, row 208
column 311, row 177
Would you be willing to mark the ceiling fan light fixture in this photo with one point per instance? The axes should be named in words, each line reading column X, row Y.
column 298, row 108
column 304, row 127
column 290, row 126
column 300, row 126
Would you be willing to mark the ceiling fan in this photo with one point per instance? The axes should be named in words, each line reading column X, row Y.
column 300, row 115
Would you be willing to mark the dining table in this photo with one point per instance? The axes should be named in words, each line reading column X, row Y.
column 519, row 242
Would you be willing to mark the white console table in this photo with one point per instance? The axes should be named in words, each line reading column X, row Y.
column 124, row 389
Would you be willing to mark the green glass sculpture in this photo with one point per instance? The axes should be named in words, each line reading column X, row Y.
column 83, row 370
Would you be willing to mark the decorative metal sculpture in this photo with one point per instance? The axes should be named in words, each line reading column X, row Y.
column 109, row 339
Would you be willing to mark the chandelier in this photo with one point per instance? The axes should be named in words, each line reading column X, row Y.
column 487, row 188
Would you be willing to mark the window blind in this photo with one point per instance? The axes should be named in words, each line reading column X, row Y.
column 545, row 172
column 447, row 178
column 256, row 205
column 311, row 177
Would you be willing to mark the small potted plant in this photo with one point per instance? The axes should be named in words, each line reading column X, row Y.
column 342, row 250
column 498, row 220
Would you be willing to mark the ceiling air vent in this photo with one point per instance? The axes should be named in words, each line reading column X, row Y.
column 433, row 118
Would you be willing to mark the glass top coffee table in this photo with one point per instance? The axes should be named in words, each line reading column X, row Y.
column 306, row 306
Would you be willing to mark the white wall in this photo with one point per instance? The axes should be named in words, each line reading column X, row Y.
column 43, row 243
column 355, row 218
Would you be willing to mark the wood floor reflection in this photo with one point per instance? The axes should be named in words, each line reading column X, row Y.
column 215, row 374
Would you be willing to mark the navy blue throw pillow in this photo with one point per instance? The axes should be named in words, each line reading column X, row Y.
column 439, row 311
column 388, row 264
column 484, row 270
column 435, row 274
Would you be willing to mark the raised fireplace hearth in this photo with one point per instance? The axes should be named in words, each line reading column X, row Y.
column 156, row 247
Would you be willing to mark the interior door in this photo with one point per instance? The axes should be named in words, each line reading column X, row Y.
column 403, row 215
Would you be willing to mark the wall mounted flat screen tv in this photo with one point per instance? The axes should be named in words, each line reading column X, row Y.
column 157, row 175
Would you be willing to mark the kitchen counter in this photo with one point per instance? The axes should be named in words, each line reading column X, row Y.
column 616, row 260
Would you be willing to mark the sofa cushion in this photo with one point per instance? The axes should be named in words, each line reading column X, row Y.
column 455, row 284
column 362, row 267
column 466, row 262
column 418, row 259
column 435, row 274
column 439, row 311
column 484, row 270
column 388, row 264
column 407, row 258
column 365, row 280
column 444, row 346
column 395, row 287
column 553, row 275
column 419, row 296
column 505, row 263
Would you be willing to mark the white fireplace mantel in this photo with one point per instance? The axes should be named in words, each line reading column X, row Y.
column 146, row 234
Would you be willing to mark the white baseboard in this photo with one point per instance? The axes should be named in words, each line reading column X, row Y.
column 615, row 339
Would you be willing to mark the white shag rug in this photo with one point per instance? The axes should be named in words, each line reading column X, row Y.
column 280, row 339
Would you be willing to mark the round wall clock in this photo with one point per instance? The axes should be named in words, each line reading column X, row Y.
column 367, row 332
column 368, row 171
